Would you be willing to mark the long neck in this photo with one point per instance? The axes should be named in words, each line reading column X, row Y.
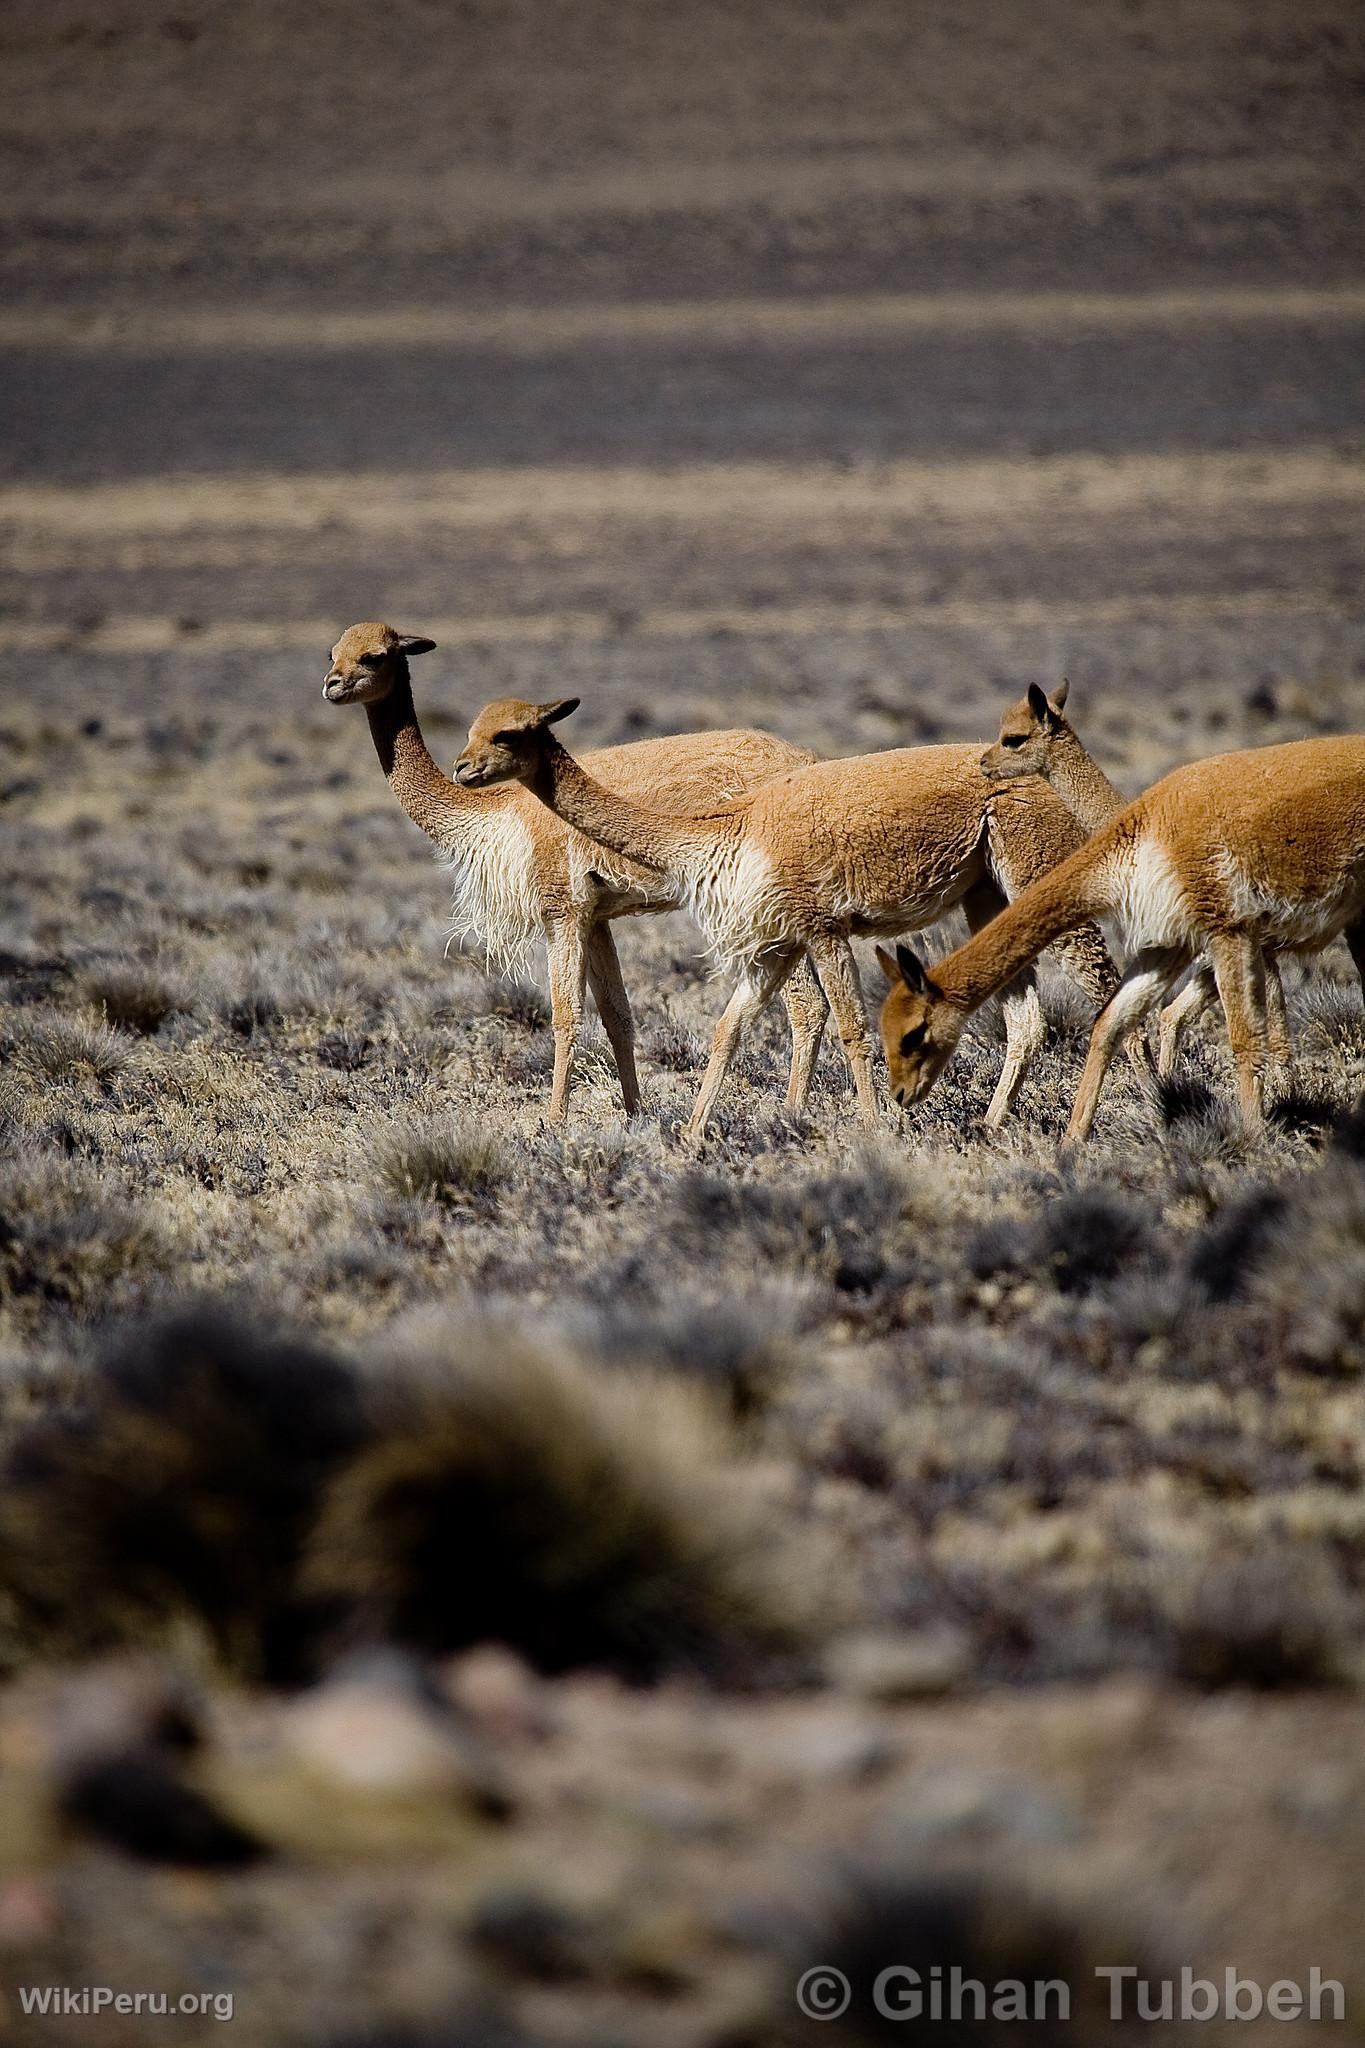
column 1080, row 781
column 430, row 798
column 670, row 845
column 1056, row 903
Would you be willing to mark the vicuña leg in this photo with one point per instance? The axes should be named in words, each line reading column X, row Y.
column 1148, row 977
column 1199, row 991
column 1240, row 972
column 613, row 1007
column 1355, row 939
column 833, row 960
column 1025, row 1028
column 758, row 985
column 806, row 1013
column 1281, row 1068
column 568, row 972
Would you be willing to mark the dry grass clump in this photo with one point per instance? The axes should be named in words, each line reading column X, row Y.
column 434, row 1159
column 851, row 1230
column 515, row 1495
column 70, row 1240
column 1272, row 1619
column 180, row 1489
column 520, row 1002
column 672, row 1046
column 136, row 994
column 1075, row 1243
column 990, row 1930
column 50, row 1045
column 243, row 1490
column 1312, row 1275
column 741, row 1349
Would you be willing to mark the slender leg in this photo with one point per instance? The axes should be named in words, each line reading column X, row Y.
column 613, row 1007
column 1148, row 977
column 832, row 957
column 568, row 969
column 806, row 1012
column 1277, row 1027
column 1025, row 1029
column 759, row 984
column 1199, row 991
column 1240, row 971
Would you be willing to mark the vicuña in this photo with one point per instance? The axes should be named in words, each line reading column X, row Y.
column 1037, row 738
column 882, row 843
column 520, row 874
column 1227, row 856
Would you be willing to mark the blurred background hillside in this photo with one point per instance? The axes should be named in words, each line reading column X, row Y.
column 909, row 341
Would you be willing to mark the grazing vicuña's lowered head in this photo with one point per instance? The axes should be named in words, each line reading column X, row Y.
column 920, row 1028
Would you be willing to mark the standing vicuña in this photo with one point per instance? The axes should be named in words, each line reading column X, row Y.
column 519, row 873
column 1036, row 738
column 881, row 843
column 1228, row 855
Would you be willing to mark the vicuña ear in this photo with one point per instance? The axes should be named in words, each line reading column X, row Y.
column 1059, row 696
column 550, row 714
column 1038, row 704
column 913, row 972
column 413, row 643
column 888, row 966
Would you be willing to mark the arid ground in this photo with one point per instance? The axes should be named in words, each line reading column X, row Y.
column 545, row 1588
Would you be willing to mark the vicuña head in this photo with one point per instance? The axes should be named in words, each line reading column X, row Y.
column 1025, row 730
column 504, row 743
column 920, row 1028
column 368, row 660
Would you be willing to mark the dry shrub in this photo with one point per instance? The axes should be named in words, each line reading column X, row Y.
column 183, row 1487
column 672, row 1046
column 848, row 1229
column 992, row 1932
column 50, row 1046
column 1225, row 1255
column 135, row 997
column 520, row 1002
column 1273, row 1619
column 740, row 1349
column 1312, row 1276
column 67, row 1241
column 582, row 1517
column 1076, row 1243
column 436, row 1160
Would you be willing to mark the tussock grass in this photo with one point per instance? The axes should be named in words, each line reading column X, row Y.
column 51, row 1046
column 514, row 1494
column 177, row 1491
column 984, row 1926
column 135, row 998
column 433, row 1159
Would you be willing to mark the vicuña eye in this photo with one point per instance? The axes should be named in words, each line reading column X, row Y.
column 503, row 739
column 372, row 660
column 1012, row 739
column 913, row 1038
